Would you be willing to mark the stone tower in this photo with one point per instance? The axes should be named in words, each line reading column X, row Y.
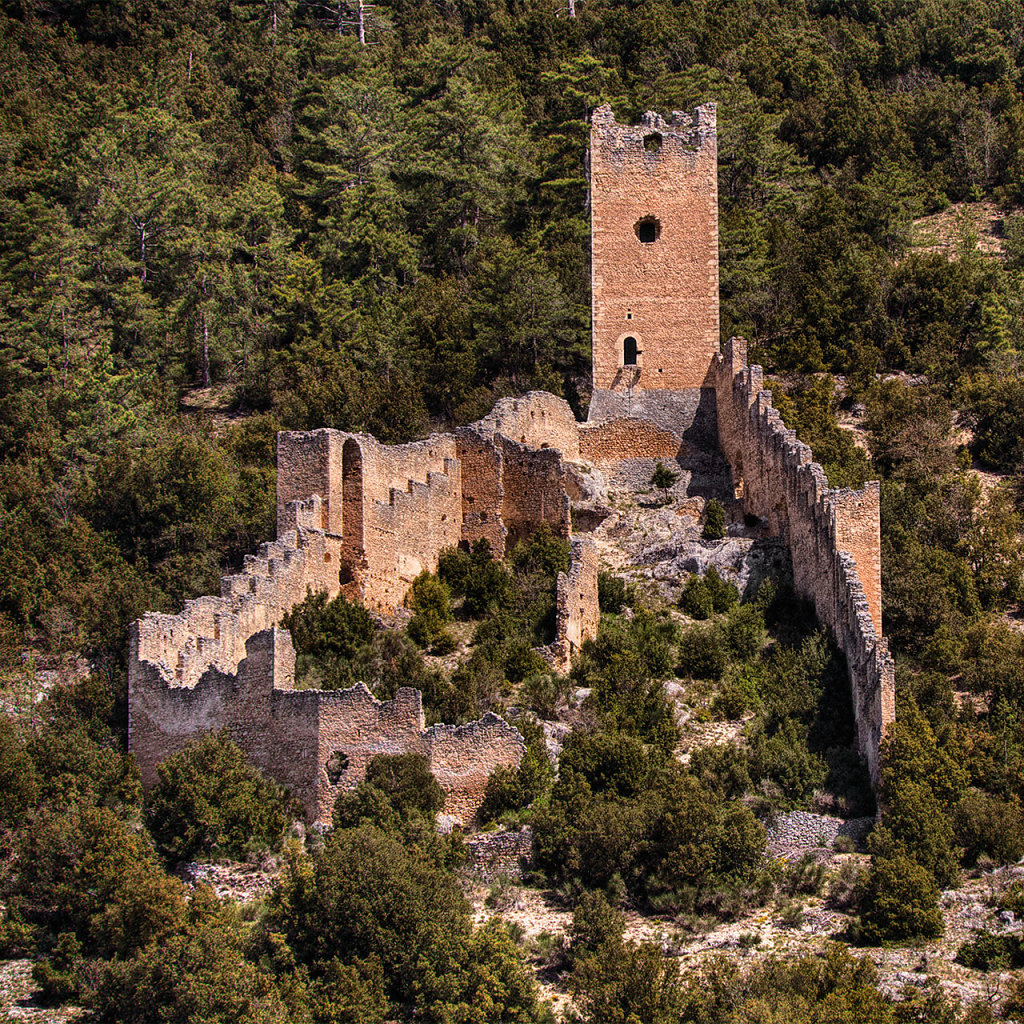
column 654, row 201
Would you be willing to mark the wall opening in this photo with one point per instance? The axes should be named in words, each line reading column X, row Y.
column 630, row 351
column 652, row 142
column 351, row 510
column 336, row 766
column 648, row 229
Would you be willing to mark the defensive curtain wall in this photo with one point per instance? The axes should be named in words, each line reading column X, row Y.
column 358, row 517
column 833, row 535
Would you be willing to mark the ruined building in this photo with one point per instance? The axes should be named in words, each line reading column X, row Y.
column 361, row 518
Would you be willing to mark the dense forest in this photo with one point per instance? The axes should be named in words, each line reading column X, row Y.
column 222, row 219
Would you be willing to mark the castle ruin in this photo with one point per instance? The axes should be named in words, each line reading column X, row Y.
column 361, row 518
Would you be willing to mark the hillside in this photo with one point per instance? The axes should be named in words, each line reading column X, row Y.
column 224, row 220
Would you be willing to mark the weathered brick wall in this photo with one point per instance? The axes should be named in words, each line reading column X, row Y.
column 533, row 490
column 291, row 734
column 833, row 535
column 626, row 439
column 483, row 493
column 538, row 420
column 304, row 464
column 578, row 613
column 663, row 293
column 212, row 631
column 394, row 507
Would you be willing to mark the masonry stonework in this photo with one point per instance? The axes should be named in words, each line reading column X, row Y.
column 654, row 249
column 833, row 535
column 358, row 517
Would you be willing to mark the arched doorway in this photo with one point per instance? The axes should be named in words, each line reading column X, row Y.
column 351, row 510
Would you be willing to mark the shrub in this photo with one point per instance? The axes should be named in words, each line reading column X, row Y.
column 595, row 924
column 611, row 592
column 916, row 825
column 737, row 696
column 395, row 789
column 745, row 631
column 785, row 759
column 901, row 901
column 83, row 873
column 714, row 520
column 430, row 600
column 986, row 825
column 723, row 593
column 986, row 951
column 696, row 599
column 198, row 974
column 722, row 769
column 18, row 782
column 210, row 800
column 327, row 636
column 702, row 653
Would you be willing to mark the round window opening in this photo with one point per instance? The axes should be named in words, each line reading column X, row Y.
column 648, row 229
column 652, row 142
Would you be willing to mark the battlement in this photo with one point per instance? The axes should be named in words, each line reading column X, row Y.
column 363, row 518
column 834, row 534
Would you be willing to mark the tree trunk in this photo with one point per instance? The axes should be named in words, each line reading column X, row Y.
column 206, row 352
column 362, row 26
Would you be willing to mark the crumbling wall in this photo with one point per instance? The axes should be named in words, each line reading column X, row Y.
column 483, row 493
column 412, row 511
column 833, row 535
column 655, row 296
column 578, row 613
column 212, row 631
column 292, row 734
column 533, row 490
column 394, row 507
column 626, row 439
column 538, row 420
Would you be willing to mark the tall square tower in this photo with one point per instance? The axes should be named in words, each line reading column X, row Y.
column 654, row 249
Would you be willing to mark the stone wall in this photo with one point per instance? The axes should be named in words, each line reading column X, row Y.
column 626, row 439
column 537, row 420
column 833, row 535
column 212, row 631
column 394, row 507
column 578, row 613
column 654, row 248
column 292, row 734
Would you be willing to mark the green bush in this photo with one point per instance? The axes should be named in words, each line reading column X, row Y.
column 18, row 784
column 986, row 951
column 723, row 769
column 209, row 801
column 736, row 696
column 900, row 901
column 328, row 636
column 197, row 974
column 702, row 653
column 985, row 825
column 431, row 603
column 744, row 630
column 396, row 788
column 723, row 593
column 696, row 599
column 785, row 759
column 611, row 592
column 714, row 520
column 82, row 872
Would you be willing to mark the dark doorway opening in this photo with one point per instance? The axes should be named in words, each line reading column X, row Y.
column 629, row 351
